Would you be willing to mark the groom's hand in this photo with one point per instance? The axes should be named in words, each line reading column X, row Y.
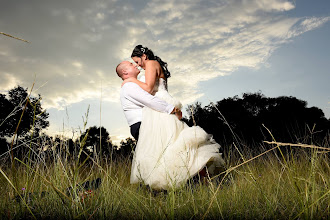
column 177, row 112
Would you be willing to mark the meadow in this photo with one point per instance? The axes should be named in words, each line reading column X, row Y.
column 282, row 182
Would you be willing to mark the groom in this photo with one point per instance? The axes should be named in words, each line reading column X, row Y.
column 133, row 98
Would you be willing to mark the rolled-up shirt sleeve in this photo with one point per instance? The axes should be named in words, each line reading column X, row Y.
column 136, row 94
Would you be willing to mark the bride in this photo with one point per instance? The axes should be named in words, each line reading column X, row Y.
column 168, row 152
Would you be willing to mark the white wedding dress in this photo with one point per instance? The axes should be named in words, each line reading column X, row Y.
column 168, row 151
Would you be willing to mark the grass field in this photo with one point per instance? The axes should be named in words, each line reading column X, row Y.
column 292, row 185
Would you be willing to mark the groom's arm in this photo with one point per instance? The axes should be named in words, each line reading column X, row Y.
column 137, row 95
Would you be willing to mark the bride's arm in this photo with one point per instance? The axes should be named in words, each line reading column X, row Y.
column 151, row 72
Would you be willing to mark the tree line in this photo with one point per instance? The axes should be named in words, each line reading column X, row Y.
column 245, row 121
column 254, row 118
column 22, row 121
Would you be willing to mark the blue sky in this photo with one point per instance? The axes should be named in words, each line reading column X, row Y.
column 215, row 49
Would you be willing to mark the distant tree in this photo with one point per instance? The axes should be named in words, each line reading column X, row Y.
column 98, row 139
column 4, row 147
column 30, row 123
column 72, row 146
column 12, row 107
column 127, row 147
column 290, row 119
column 5, row 107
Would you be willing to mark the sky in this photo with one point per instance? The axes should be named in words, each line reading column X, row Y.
column 215, row 49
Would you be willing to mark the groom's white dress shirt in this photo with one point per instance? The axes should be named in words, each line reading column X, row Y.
column 133, row 98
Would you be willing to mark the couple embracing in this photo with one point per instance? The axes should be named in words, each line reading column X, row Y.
column 168, row 152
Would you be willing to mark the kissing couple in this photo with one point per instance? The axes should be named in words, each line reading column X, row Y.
column 168, row 152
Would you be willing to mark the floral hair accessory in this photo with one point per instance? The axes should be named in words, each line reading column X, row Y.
column 143, row 49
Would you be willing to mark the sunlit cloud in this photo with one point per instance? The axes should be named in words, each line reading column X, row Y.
column 8, row 81
column 77, row 64
column 100, row 16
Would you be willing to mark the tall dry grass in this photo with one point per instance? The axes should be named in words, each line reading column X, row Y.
column 292, row 186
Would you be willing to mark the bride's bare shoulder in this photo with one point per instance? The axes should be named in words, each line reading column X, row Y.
column 153, row 63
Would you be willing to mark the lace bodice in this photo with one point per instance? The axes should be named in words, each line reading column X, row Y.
column 161, row 84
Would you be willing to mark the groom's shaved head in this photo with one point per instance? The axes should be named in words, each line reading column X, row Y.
column 120, row 68
column 127, row 69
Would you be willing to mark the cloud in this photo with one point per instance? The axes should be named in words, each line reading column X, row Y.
column 76, row 47
column 77, row 64
column 203, row 40
column 8, row 82
column 307, row 24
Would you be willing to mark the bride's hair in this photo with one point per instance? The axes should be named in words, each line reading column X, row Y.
column 139, row 50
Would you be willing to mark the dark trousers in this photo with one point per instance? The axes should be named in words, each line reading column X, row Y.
column 135, row 128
